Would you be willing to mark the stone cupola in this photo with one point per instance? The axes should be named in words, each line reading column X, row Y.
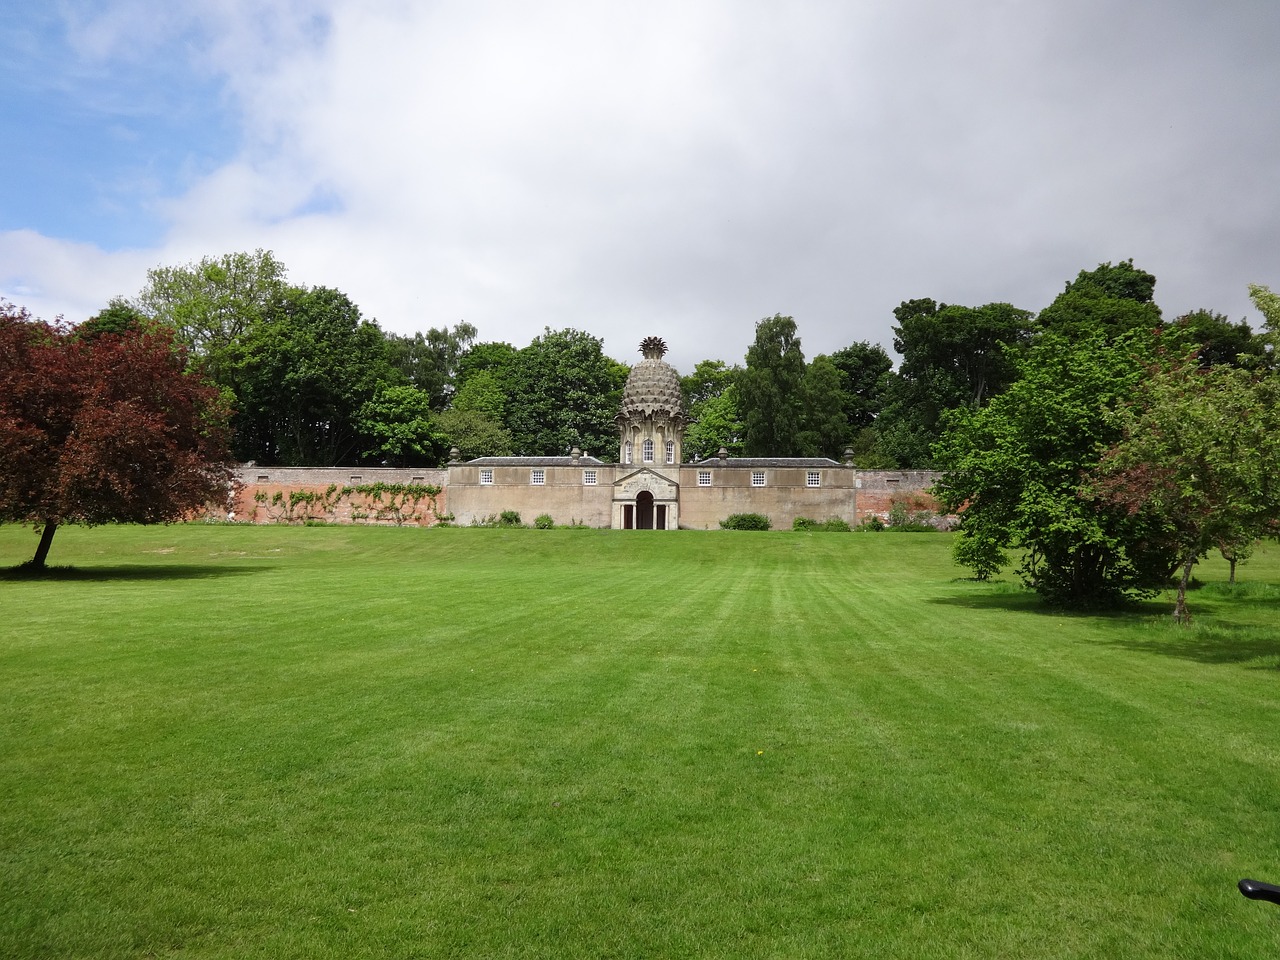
column 651, row 422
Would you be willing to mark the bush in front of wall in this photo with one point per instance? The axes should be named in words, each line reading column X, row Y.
column 830, row 525
column 746, row 521
column 543, row 521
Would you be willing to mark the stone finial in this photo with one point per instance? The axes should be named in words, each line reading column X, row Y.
column 455, row 455
column 723, row 453
column 576, row 454
column 848, row 456
column 653, row 348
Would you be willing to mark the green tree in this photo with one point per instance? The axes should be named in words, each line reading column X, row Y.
column 1201, row 451
column 1215, row 339
column 397, row 423
column 211, row 304
column 563, row 392
column 717, row 425
column 865, row 370
column 825, row 428
column 709, row 379
column 482, row 393
column 869, row 452
column 711, row 402
column 1110, row 300
column 118, row 317
column 769, row 390
column 1268, row 305
column 492, row 356
column 952, row 356
column 474, row 434
column 303, row 374
column 1014, row 470
column 430, row 361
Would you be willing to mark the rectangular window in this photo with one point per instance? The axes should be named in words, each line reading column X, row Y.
column 704, row 478
column 589, row 478
column 486, row 477
column 538, row 477
column 814, row 479
column 757, row 478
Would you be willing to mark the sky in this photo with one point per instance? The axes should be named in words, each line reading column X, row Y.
column 679, row 168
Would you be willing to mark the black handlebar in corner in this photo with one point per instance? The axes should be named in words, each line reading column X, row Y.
column 1257, row 890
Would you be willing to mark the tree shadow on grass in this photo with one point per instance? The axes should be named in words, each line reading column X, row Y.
column 1018, row 599
column 126, row 572
column 1213, row 643
column 1209, row 638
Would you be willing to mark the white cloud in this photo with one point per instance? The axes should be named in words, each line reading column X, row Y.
column 685, row 169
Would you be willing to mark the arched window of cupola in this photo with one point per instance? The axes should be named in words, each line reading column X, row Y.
column 647, row 450
column 626, row 452
column 671, row 451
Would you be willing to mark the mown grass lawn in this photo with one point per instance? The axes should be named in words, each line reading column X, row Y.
column 242, row 742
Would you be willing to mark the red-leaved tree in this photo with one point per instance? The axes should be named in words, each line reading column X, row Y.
column 101, row 429
column 1200, row 452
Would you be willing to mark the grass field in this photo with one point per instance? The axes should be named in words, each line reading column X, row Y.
column 224, row 741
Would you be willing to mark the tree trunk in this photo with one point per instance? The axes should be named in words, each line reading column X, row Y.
column 1180, row 612
column 1233, row 571
column 46, row 539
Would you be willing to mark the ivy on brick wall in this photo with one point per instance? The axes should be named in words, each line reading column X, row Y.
column 395, row 503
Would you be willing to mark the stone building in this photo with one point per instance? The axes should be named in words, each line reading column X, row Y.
column 649, row 488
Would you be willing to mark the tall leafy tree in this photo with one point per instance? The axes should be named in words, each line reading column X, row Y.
column 303, row 374
column 119, row 316
column 717, row 424
column 709, row 379
column 429, row 361
column 1215, row 339
column 211, row 304
column 473, row 433
column 865, row 369
column 952, row 356
column 563, row 392
column 1015, row 471
column 711, row 402
column 483, row 393
column 1109, row 300
column 105, row 428
column 398, row 426
column 1268, row 304
column 484, row 381
column 825, row 431
column 1201, row 451
column 770, row 390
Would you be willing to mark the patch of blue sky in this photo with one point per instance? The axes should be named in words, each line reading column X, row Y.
column 97, row 143
column 321, row 202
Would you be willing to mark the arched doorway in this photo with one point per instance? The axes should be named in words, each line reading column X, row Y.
column 644, row 510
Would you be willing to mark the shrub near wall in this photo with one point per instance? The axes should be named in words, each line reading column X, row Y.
column 831, row 525
column 746, row 521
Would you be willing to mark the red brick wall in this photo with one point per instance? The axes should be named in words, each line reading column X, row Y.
column 338, row 495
